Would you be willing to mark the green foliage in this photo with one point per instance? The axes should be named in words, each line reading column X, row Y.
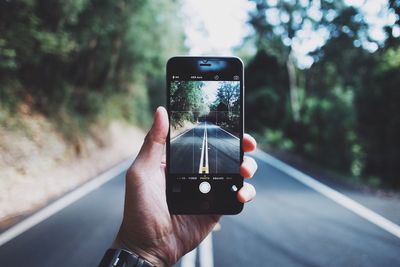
column 349, row 115
column 82, row 56
column 190, row 102
column 328, row 122
column 276, row 140
column 187, row 102
column 226, row 107
column 378, row 112
column 328, row 129
column 228, row 93
column 267, row 92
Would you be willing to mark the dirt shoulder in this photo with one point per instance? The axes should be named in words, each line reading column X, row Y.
column 187, row 125
column 37, row 165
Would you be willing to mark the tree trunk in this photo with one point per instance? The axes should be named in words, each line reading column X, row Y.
column 294, row 94
column 116, row 47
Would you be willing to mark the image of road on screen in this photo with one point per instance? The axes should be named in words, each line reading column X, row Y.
column 205, row 127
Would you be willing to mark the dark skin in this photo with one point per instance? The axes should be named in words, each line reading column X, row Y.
column 148, row 228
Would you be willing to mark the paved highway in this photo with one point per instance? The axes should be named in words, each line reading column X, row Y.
column 206, row 148
column 292, row 222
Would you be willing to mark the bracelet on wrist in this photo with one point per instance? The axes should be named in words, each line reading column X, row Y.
column 122, row 257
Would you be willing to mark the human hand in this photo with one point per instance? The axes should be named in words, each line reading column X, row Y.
column 148, row 228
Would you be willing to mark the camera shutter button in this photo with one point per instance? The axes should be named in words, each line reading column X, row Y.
column 204, row 187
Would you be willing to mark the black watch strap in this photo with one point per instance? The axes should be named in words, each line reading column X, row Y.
column 123, row 258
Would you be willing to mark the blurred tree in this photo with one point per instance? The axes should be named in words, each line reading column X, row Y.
column 279, row 25
column 155, row 34
column 348, row 101
column 225, row 110
column 75, row 55
column 188, row 102
column 267, row 93
column 332, row 81
column 393, row 40
column 228, row 93
column 378, row 112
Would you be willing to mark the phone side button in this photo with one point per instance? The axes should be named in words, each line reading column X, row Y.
column 204, row 187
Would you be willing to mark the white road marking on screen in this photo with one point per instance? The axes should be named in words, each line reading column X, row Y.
column 206, row 142
column 228, row 133
column 179, row 135
column 332, row 194
column 64, row 201
column 202, row 152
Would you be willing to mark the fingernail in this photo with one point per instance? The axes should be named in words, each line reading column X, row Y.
column 245, row 195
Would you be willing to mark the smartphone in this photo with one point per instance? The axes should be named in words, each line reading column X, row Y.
column 205, row 97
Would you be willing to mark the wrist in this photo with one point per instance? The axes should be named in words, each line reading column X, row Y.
column 147, row 255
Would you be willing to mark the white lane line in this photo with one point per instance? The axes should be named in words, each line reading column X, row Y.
column 206, row 257
column 206, row 148
column 332, row 194
column 179, row 135
column 202, row 153
column 228, row 132
column 64, row 201
column 189, row 260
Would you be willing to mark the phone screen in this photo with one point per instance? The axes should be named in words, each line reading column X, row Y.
column 206, row 127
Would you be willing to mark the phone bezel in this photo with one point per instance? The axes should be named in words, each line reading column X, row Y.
column 184, row 65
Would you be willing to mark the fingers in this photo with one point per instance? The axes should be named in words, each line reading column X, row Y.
column 249, row 143
column 153, row 146
column 248, row 167
column 246, row 193
column 159, row 130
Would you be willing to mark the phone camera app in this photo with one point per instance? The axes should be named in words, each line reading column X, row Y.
column 205, row 127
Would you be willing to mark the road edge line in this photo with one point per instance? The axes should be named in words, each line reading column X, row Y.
column 189, row 259
column 179, row 135
column 228, row 132
column 206, row 257
column 64, row 201
column 332, row 194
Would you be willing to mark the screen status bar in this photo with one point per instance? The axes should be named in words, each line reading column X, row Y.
column 201, row 77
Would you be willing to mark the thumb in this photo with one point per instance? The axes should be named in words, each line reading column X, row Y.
column 153, row 146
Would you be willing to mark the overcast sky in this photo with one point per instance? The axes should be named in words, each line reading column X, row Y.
column 210, row 88
column 216, row 27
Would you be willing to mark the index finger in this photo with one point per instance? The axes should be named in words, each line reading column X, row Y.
column 249, row 143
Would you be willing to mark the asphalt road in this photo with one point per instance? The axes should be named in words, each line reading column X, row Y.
column 288, row 224
column 208, row 145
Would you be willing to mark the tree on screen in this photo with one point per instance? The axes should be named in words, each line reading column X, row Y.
column 187, row 102
column 228, row 93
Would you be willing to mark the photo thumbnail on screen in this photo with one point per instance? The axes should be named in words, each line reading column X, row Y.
column 205, row 127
